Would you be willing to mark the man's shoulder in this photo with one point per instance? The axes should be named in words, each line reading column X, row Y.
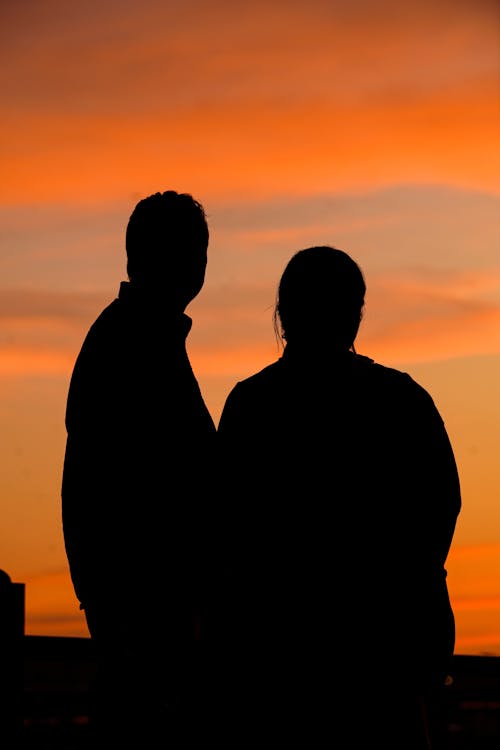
column 99, row 344
column 108, row 314
column 106, row 322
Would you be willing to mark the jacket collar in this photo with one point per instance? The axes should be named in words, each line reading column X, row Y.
column 152, row 306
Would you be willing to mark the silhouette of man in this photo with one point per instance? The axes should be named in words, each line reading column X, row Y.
column 342, row 495
column 135, row 478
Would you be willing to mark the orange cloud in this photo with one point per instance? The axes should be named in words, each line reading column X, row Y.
column 474, row 584
column 255, row 148
column 410, row 316
column 225, row 101
column 51, row 606
column 24, row 362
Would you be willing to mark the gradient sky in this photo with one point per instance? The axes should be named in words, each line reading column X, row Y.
column 374, row 127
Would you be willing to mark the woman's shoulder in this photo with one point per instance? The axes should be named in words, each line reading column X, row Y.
column 368, row 367
column 265, row 377
column 399, row 383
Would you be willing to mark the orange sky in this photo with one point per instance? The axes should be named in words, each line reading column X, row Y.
column 371, row 126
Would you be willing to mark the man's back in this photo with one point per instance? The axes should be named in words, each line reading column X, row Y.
column 136, row 476
column 138, row 431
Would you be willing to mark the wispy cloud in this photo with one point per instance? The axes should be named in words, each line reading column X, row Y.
column 231, row 99
column 407, row 319
column 424, row 300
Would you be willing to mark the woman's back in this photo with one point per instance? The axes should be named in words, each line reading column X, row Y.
column 340, row 501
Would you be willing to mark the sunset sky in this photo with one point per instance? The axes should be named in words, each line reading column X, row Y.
column 371, row 126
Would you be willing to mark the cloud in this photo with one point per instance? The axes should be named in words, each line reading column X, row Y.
column 117, row 54
column 429, row 254
column 473, row 581
column 33, row 305
column 231, row 97
column 256, row 147
column 51, row 606
column 41, row 332
column 234, row 327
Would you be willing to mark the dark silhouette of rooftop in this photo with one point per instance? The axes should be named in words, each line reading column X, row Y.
column 46, row 688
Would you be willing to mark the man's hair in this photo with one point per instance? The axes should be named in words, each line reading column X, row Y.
column 166, row 233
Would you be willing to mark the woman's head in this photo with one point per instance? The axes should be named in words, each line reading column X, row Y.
column 320, row 298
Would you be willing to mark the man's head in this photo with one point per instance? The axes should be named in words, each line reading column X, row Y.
column 166, row 243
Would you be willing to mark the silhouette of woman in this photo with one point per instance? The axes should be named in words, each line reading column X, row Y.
column 341, row 495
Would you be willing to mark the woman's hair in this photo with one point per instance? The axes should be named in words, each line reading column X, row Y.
column 320, row 296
